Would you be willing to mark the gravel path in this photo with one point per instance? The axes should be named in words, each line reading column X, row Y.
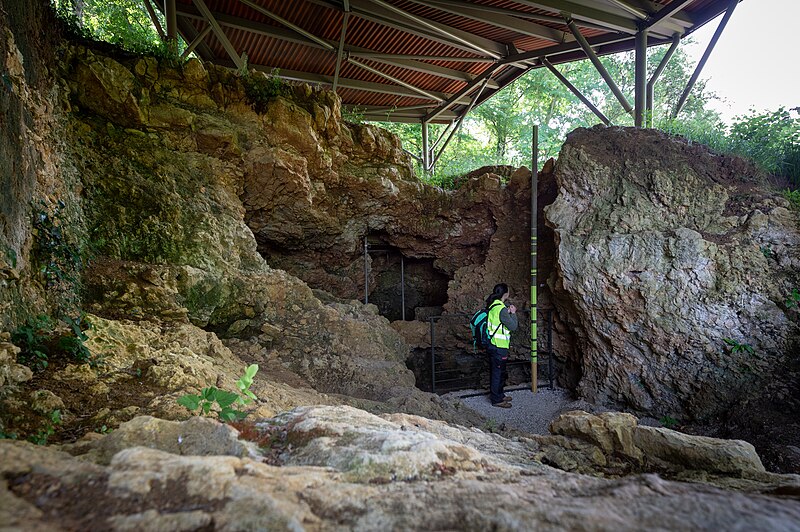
column 530, row 412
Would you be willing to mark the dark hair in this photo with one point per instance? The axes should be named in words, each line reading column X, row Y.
column 500, row 289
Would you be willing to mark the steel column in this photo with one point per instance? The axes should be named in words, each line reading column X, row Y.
column 341, row 51
column 425, row 148
column 676, row 39
column 403, row 285
column 576, row 92
column 534, row 215
column 705, row 57
column 433, row 355
column 550, row 346
column 598, row 65
column 170, row 13
column 640, row 83
column 366, row 271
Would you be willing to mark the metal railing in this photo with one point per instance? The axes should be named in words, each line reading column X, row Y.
column 441, row 375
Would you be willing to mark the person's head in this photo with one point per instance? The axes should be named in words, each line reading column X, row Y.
column 500, row 292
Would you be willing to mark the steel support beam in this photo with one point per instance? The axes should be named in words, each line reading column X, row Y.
column 170, row 13
column 154, row 19
column 346, row 83
column 458, row 125
column 576, row 92
column 638, row 13
column 442, row 135
column 476, row 43
column 425, row 147
column 595, row 14
column 456, row 98
column 223, row 39
column 640, row 78
column 190, row 34
column 423, row 93
column 706, row 54
column 373, row 12
column 501, row 21
column 511, row 13
column 676, row 39
column 288, row 24
column 196, row 41
column 418, row 66
column 667, row 12
column 410, row 62
column 599, row 66
column 340, row 51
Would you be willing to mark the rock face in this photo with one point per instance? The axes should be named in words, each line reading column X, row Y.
column 334, row 468
column 674, row 268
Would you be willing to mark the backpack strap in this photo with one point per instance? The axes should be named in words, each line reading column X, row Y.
column 494, row 304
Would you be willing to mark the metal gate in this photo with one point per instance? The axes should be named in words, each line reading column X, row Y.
column 442, row 375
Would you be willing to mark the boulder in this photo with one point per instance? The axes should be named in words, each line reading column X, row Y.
column 676, row 300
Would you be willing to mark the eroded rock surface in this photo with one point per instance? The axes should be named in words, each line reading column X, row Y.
column 666, row 250
column 341, row 468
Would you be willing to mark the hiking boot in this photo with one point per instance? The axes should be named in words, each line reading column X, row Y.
column 508, row 398
column 502, row 404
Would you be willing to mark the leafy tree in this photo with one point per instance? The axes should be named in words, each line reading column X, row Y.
column 124, row 23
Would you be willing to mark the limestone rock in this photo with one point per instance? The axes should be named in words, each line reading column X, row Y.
column 652, row 277
column 12, row 373
column 491, row 484
column 198, row 436
column 733, row 457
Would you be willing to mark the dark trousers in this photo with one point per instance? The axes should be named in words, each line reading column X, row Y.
column 497, row 360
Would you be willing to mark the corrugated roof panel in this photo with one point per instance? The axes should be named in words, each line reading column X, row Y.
column 365, row 32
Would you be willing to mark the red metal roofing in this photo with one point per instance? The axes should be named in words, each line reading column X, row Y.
column 424, row 32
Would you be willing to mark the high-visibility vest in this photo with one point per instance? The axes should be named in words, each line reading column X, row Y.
column 501, row 338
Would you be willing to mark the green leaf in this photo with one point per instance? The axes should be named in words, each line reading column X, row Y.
column 192, row 402
column 246, row 380
column 209, row 394
column 207, row 407
column 730, row 342
column 225, row 399
column 228, row 414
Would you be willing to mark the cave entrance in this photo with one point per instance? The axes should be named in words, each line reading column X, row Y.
column 402, row 288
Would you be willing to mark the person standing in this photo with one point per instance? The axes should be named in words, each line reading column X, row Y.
column 501, row 321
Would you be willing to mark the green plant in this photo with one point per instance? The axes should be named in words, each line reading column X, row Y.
column 490, row 425
column 793, row 301
column 767, row 252
column 32, row 339
column 261, row 89
column 41, row 436
column 8, row 435
column 668, row 421
column 793, row 196
column 354, row 114
column 74, row 345
column 737, row 347
column 104, row 430
column 223, row 399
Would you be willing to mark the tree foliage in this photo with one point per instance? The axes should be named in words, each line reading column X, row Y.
column 123, row 23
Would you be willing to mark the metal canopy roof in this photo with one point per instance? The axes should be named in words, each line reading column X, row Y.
column 423, row 60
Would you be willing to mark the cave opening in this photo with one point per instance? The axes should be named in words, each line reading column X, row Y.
column 404, row 288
